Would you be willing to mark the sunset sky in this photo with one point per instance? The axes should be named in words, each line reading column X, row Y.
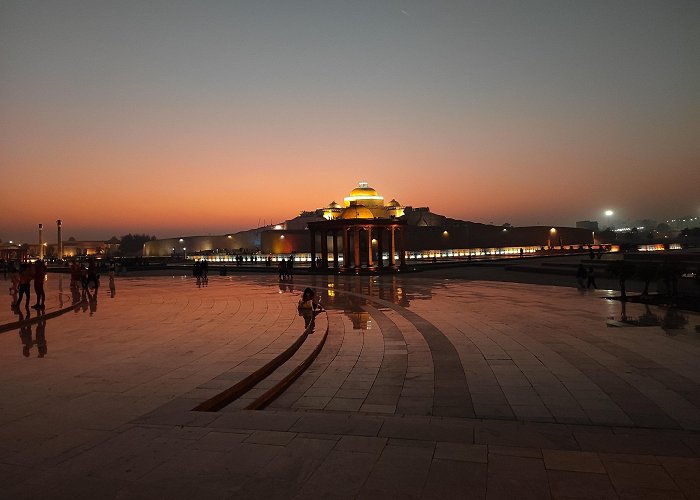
column 175, row 118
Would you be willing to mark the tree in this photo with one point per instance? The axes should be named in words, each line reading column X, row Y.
column 132, row 244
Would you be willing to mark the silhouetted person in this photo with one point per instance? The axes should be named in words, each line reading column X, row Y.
column 290, row 267
column 39, row 277
column 282, row 269
column 591, row 253
column 76, row 274
column 92, row 276
column 522, row 252
column 25, row 279
column 581, row 276
column 591, row 278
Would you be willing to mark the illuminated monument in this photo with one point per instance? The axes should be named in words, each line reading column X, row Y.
column 364, row 226
column 366, row 232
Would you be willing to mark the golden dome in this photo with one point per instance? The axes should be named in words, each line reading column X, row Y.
column 364, row 195
column 357, row 212
column 363, row 190
column 394, row 203
column 333, row 204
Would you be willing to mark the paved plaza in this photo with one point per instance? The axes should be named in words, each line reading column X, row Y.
column 412, row 386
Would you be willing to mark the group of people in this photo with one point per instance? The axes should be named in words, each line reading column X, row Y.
column 21, row 282
column 200, row 269
column 286, row 269
column 80, row 276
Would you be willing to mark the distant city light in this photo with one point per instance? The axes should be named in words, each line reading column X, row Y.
column 609, row 213
column 278, row 227
column 553, row 230
column 181, row 240
column 282, row 237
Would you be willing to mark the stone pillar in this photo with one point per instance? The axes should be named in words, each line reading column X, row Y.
column 392, row 245
column 41, row 241
column 60, row 241
column 346, row 248
column 402, row 249
column 356, row 245
column 313, row 249
column 369, row 246
column 324, row 249
column 335, row 249
column 380, row 246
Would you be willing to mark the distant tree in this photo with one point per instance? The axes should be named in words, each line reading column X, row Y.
column 663, row 228
column 132, row 244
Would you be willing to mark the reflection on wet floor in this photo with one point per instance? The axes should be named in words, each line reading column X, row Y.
column 25, row 335
column 396, row 345
column 673, row 321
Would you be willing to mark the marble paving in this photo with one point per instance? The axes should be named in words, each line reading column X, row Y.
column 424, row 388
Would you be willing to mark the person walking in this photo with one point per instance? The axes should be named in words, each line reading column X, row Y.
column 39, row 278
column 25, row 279
column 283, row 269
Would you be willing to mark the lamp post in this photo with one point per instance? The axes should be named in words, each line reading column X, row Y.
column 41, row 242
column 60, row 241
column 609, row 214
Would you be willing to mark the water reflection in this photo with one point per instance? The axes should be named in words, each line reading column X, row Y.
column 25, row 334
column 669, row 319
column 112, row 287
column 91, row 300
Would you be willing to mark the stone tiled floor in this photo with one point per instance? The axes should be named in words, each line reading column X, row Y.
column 430, row 388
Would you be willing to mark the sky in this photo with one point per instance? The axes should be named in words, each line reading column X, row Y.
column 188, row 118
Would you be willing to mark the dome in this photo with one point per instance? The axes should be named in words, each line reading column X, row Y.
column 364, row 195
column 394, row 203
column 357, row 212
column 333, row 204
column 363, row 190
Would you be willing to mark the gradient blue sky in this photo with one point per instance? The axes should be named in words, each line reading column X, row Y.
column 205, row 117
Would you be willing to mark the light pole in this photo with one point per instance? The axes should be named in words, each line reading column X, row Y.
column 609, row 214
column 60, row 241
column 41, row 242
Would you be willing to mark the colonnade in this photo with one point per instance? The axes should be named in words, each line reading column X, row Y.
column 352, row 236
